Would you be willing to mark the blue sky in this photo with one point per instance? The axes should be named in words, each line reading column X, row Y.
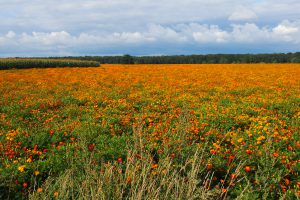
column 147, row 27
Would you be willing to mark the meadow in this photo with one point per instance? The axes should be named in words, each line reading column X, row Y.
column 211, row 131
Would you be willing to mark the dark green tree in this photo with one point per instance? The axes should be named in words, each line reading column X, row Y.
column 127, row 59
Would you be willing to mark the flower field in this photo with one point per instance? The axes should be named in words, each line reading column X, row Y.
column 172, row 131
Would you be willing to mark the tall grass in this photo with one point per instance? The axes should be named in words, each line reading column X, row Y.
column 138, row 177
column 141, row 177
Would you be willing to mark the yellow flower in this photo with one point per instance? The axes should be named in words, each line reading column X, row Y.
column 261, row 138
column 216, row 145
column 39, row 190
column 36, row 173
column 154, row 173
column 29, row 160
column 22, row 168
column 284, row 138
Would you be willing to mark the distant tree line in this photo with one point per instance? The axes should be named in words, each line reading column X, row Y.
column 195, row 59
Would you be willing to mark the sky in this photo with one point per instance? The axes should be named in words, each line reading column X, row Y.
column 147, row 27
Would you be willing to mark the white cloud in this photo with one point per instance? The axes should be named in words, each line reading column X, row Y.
column 211, row 34
column 47, row 39
column 287, row 33
column 127, row 15
column 128, row 37
column 243, row 14
column 250, row 33
column 285, row 29
column 111, row 15
column 10, row 34
column 158, row 32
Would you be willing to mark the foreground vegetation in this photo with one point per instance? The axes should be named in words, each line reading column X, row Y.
column 151, row 132
column 11, row 63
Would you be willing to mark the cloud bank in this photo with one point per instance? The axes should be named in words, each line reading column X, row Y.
column 147, row 27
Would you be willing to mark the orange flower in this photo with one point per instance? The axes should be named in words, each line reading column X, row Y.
column 154, row 166
column 224, row 190
column 247, row 168
column 275, row 154
column 233, row 176
column 55, row 194
column 287, row 181
column 209, row 166
column 128, row 180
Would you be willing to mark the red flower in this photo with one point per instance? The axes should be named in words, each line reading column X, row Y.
column 230, row 159
column 91, row 147
column 249, row 152
column 51, row 132
column 25, row 185
column 120, row 160
column 212, row 151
